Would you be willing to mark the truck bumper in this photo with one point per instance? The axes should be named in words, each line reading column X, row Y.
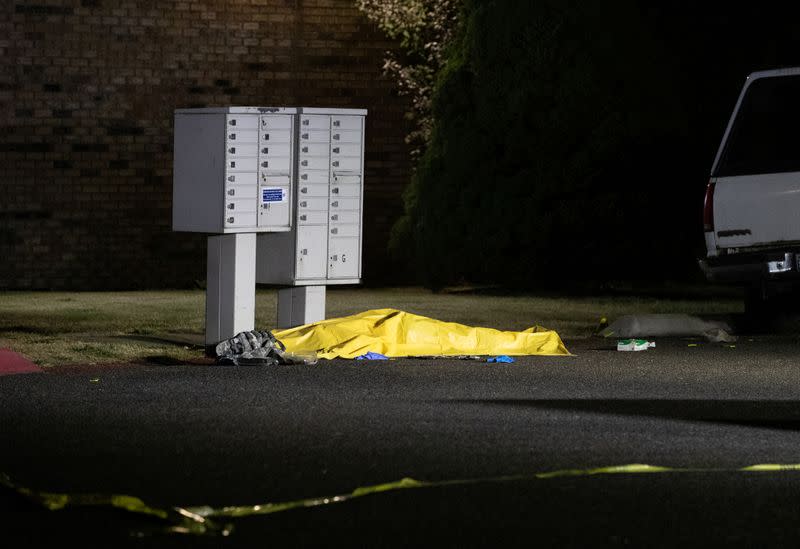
column 751, row 267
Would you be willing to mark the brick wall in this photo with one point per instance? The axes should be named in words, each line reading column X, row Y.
column 87, row 93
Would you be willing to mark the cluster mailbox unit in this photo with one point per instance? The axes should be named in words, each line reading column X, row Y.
column 281, row 191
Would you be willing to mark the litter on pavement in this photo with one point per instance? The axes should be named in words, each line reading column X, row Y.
column 669, row 325
column 634, row 345
column 372, row 356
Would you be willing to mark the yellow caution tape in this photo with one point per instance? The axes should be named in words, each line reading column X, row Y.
column 197, row 520
column 180, row 520
column 396, row 333
column 633, row 468
column 270, row 508
column 772, row 467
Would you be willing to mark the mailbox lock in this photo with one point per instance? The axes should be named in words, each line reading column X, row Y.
column 304, row 190
column 231, row 178
column 231, row 192
column 233, row 164
column 304, row 176
column 333, row 231
column 303, row 204
column 303, row 217
column 336, row 150
column 265, row 164
column 305, row 122
column 232, row 136
column 304, row 136
column 334, row 217
column 230, row 220
column 232, row 122
column 266, row 137
column 231, row 206
column 335, row 204
column 232, row 150
column 335, row 163
column 304, row 163
column 265, row 150
column 305, row 149
column 335, row 190
column 336, row 123
column 336, row 136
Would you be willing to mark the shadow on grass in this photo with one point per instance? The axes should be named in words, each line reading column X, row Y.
column 162, row 360
column 190, row 341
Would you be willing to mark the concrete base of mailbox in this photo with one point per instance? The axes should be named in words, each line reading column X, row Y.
column 230, row 286
column 300, row 305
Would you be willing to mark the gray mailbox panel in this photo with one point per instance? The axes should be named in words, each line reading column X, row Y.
column 324, row 244
column 233, row 170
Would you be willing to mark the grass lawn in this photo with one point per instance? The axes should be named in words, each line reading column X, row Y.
column 60, row 328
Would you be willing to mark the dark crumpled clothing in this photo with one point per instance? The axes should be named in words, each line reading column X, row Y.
column 257, row 348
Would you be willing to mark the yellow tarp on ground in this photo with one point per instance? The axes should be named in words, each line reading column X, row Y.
column 396, row 333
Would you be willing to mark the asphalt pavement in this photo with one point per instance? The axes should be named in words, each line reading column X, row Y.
column 194, row 435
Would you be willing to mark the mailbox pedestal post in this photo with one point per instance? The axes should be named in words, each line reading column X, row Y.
column 230, row 286
column 300, row 305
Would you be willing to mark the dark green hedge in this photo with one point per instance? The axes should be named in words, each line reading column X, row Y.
column 562, row 152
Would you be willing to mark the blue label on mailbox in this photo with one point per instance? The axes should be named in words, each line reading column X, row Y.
column 273, row 194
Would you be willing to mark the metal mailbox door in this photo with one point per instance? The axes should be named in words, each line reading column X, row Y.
column 343, row 258
column 274, row 206
column 312, row 251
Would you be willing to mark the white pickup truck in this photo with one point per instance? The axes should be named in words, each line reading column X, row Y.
column 751, row 214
